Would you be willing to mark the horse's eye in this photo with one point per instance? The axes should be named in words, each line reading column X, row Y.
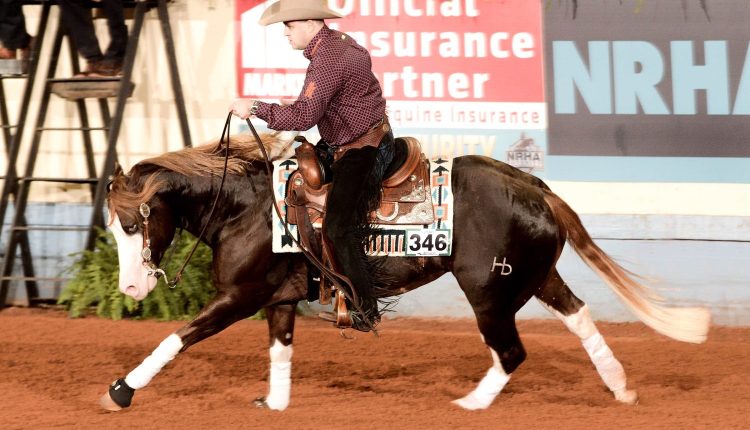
column 133, row 228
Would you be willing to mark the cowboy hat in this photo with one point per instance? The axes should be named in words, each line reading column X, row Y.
column 297, row 10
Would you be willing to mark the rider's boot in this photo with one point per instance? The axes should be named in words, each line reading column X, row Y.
column 369, row 320
column 358, row 322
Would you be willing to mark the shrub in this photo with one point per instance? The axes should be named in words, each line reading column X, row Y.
column 95, row 274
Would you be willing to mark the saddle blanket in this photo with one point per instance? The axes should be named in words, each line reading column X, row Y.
column 434, row 239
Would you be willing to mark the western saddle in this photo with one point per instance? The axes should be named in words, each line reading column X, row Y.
column 406, row 200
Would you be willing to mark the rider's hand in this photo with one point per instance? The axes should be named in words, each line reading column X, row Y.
column 241, row 108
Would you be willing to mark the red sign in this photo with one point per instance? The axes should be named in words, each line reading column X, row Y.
column 445, row 64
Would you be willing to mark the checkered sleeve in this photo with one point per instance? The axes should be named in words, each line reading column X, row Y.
column 322, row 81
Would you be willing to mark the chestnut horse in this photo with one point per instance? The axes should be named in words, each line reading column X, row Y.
column 501, row 214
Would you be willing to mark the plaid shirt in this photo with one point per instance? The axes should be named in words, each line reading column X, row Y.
column 340, row 94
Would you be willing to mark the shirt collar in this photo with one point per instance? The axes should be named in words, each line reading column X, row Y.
column 313, row 45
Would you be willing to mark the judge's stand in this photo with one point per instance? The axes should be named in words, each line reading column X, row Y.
column 25, row 238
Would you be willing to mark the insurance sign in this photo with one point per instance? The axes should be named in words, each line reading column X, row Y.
column 442, row 64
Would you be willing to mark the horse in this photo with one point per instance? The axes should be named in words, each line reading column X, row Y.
column 500, row 213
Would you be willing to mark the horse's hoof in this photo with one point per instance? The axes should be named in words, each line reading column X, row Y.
column 261, row 403
column 107, row 403
column 470, row 402
column 629, row 397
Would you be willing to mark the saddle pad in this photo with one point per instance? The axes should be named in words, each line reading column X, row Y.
column 395, row 241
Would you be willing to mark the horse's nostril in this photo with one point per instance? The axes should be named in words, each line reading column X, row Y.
column 131, row 290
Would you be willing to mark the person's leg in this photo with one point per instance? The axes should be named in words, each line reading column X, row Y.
column 78, row 22
column 13, row 33
column 342, row 221
column 118, row 31
column 354, row 191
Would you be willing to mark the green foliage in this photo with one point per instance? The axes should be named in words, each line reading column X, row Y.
column 95, row 274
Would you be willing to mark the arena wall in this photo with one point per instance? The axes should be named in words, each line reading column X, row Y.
column 680, row 219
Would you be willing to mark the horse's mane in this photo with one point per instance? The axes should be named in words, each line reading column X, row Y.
column 208, row 159
column 203, row 160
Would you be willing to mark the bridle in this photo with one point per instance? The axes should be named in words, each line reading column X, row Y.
column 145, row 210
column 153, row 270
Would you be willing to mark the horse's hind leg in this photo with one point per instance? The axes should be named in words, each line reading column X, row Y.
column 501, row 338
column 557, row 298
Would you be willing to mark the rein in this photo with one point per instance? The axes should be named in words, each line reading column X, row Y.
column 145, row 212
column 336, row 278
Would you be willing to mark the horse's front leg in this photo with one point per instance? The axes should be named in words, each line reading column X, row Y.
column 281, row 332
column 225, row 309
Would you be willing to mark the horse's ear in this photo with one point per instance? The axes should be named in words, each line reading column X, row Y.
column 117, row 172
column 118, row 169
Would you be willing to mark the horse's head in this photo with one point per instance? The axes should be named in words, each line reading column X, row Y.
column 150, row 182
column 143, row 227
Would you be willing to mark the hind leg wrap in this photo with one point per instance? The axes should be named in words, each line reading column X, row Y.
column 489, row 387
column 608, row 367
column 610, row 370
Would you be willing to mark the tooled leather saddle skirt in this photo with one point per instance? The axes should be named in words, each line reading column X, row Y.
column 406, row 197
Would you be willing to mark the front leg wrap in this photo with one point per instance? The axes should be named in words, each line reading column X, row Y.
column 122, row 390
column 121, row 393
column 280, row 377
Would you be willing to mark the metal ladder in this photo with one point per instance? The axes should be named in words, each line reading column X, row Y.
column 99, row 88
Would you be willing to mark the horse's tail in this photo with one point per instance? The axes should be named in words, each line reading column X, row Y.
column 684, row 324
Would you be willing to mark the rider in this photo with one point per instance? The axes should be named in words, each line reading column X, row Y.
column 342, row 96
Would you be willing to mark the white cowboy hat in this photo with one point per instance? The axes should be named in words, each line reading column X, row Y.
column 297, row 10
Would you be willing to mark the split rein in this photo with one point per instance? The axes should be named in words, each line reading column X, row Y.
column 337, row 279
column 145, row 212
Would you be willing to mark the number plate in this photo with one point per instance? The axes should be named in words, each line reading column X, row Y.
column 428, row 243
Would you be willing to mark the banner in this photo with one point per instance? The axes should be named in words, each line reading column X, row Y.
column 451, row 64
column 664, row 78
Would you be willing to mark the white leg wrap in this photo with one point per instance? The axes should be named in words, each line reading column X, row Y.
column 609, row 368
column 580, row 323
column 280, row 378
column 489, row 387
column 163, row 354
column 280, row 386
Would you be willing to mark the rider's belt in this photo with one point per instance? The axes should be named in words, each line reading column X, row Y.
column 371, row 137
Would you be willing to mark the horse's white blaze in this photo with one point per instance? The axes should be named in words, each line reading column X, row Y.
column 134, row 280
column 489, row 387
column 609, row 368
column 163, row 354
column 280, row 379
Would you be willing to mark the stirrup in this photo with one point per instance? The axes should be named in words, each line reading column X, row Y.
column 357, row 323
column 341, row 318
column 327, row 316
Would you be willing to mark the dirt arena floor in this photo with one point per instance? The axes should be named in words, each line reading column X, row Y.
column 53, row 370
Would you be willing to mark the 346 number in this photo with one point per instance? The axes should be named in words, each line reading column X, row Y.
column 428, row 242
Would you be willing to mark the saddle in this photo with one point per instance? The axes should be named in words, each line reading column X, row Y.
column 406, row 200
